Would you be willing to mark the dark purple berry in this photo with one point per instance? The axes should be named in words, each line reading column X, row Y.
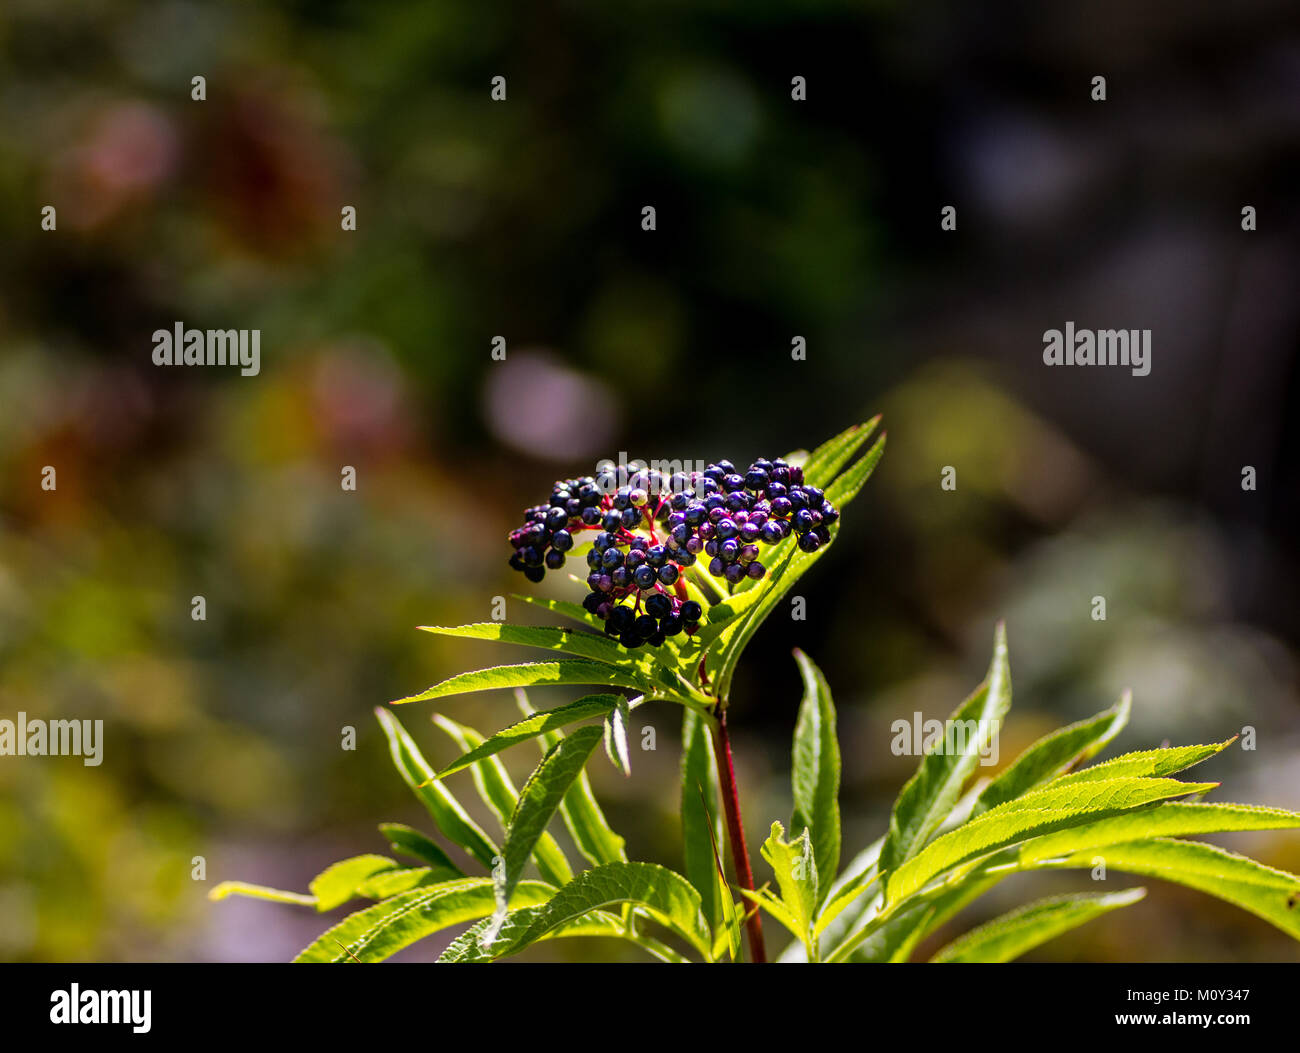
column 658, row 605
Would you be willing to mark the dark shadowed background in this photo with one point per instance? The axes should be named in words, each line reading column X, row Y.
column 475, row 218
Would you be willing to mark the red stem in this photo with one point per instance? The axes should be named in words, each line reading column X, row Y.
column 736, row 834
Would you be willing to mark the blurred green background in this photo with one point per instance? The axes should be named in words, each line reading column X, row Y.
column 775, row 218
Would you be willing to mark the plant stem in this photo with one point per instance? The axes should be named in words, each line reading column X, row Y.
column 736, row 833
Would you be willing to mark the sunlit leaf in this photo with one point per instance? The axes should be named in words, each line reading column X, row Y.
column 243, row 888
column 1011, row 935
column 795, row 868
column 410, row 842
column 451, row 819
column 1273, row 895
column 532, row 674
column 665, row 896
column 616, row 736
column 338, row 883
column 699, row 812
column 381, row 930
column 1042, row 811
column 815, row 770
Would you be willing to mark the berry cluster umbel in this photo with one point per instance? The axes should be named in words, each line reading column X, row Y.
column 650, row 531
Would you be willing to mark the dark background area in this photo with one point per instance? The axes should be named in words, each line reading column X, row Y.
column 522, row 218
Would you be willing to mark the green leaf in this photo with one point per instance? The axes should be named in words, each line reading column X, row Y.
column 777, row 907
column 497, row 791
column 616, row 736
column 840, row 902
column 1169, row 819
column 1273, row 895
column 795, row 868
column 533, row 725
column 930, row 794
column 602, row 923
column 815, row 769
column 451, row 819
column 582, row 816
column 530, row 674
column 824, row 463
column 1041, row 811
column 848, row 484
column 390, row 882
column 337, row 884
column 410, row 842
column 1054, row 754
column 538, row 801
column 700, row 815
column 379, row 931
column 242, row 888
column 1011, row 935
column 719, row 615
column 665, row 896
column 1164, row 761
column 727, row 932
column 566, row 641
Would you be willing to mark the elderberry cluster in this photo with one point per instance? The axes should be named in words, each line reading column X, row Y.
column 648, row 531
